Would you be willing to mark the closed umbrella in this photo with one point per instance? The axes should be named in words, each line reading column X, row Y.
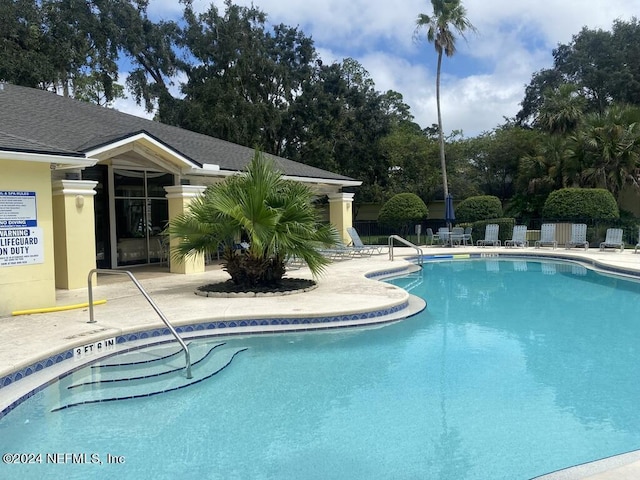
column 449, row 214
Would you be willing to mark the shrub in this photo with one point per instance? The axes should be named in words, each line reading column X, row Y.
column 580, row 204
column 401, row 210
column 481, row 207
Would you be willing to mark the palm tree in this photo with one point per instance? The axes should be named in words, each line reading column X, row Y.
column 275, row 216
column 607, row 148
column 561, row 110
column 447, row 14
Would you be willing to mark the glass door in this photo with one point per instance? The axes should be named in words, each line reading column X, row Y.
column 141, row 214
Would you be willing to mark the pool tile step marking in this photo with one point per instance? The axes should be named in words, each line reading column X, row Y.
column 215, row 360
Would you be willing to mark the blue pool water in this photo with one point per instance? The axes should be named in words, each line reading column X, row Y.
column 516, row 369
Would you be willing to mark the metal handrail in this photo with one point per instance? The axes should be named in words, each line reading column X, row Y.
column 187, row 356
column 407, row 243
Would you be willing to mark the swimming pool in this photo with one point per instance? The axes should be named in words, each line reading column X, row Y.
column 517, row 368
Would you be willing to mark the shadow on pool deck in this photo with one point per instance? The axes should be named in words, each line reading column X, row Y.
column 343, row 289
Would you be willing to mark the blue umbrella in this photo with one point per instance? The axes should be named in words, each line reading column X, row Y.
column 449, row 214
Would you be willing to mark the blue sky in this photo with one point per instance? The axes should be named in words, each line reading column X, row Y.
column 483, row 83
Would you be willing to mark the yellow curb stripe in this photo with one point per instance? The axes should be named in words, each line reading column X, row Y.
column 56, row 309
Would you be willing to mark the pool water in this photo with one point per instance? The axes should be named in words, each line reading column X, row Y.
column 516, row 369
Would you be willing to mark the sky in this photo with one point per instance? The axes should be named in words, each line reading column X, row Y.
column 481, row 85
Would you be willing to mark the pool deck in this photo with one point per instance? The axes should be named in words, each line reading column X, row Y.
column 344, row 289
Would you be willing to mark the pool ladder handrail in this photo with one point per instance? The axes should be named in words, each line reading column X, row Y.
column 407, row 243
column 144, row 293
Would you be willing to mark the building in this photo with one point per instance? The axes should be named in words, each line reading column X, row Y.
column 82, row 186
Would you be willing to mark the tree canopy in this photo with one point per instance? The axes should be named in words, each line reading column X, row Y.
column 229, row 73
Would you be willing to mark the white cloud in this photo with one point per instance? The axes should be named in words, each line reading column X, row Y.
column 483, row 83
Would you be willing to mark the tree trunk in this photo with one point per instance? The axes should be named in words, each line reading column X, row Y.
column 443, row 162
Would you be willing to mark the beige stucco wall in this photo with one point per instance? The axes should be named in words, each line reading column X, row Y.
column 341, row 213
column 29, row 286
column 179, row 197
column 74, row 232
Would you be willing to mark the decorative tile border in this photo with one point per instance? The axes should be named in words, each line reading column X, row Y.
column 230, row 327
column 36, row 367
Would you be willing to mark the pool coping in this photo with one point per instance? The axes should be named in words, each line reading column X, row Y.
column 138, row 337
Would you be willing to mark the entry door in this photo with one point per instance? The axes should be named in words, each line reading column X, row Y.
column 141, row 215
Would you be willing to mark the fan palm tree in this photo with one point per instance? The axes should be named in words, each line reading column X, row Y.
column 607, row 147
column 561, row 110
column 447, row 15
column 275, row 216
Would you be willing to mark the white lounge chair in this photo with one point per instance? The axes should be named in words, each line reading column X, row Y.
column 635, row 250
column 359, row 245
column 578, row 236
column 613, row 239
column 338, row 252
column 519, row 237
column 490, row 236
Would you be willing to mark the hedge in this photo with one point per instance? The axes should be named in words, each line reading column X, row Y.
column 580, row 204
column 481, row 207
column 401, row 210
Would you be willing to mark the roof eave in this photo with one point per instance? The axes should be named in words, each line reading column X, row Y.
column 56, row 161
column 313, row 180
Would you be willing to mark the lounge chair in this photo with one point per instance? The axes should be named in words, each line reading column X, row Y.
column 339, row 252
column 519, row 237
column 547, row 236
column 490, row 236
column 578, row 236
column 613, row 239
column 358, row 244
column 635, row 250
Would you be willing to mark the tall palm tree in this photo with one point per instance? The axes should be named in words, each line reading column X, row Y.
column 448, row 15
column 275, row 216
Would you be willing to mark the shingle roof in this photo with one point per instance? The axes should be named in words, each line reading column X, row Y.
column 42, row 122
column 15, row 143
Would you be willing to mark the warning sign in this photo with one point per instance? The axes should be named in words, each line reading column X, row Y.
column 20, row 246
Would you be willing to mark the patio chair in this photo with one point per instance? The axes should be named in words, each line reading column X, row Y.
column 613, row 239
column 457, row 236
column 443, row 235
column 547, row 236
column 358, row 244
column 490, row 236
column 519, row 237
column 578, row 236
column 467, row 238
column 431, row 237
column 635, row 250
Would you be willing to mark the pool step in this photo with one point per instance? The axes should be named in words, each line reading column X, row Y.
column 143, row 375
column 145, row 365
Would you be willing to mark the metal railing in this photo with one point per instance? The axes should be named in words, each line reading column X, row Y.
column 407, row 243
column 187, row 356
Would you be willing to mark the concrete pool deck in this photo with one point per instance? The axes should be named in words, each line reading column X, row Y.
column 343, row 290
